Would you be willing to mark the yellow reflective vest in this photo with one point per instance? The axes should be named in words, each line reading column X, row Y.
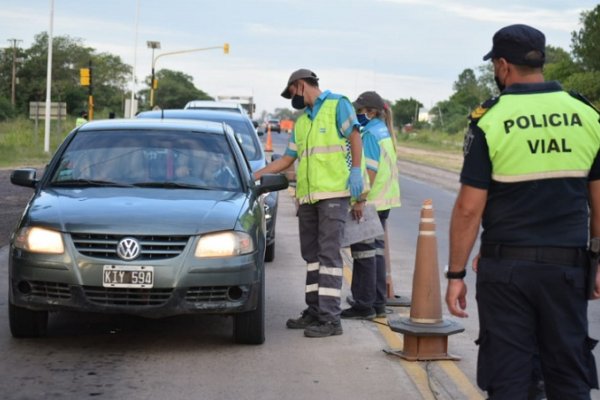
column 558, row 139
column 323, row 169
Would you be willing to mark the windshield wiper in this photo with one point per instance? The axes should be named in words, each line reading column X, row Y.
column 171, row 185
column 88, row 182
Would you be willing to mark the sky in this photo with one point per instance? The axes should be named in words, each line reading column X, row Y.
column 399, row 48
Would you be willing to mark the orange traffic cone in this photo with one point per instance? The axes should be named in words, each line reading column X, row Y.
column 269, row 144
column 426, row 332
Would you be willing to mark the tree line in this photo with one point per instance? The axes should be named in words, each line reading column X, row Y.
column 577, row 70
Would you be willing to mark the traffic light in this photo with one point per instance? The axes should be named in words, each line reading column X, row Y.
column 226, row 48
column 84, row 76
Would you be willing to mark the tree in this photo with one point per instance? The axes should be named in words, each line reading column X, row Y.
column 174, row 90
column 406, row 111
column 68, row 56
column 586, row 42
column 559, row 65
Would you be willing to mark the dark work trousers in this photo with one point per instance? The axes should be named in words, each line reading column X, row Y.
column 321, row 227
column 524, row 306
column 369, row 287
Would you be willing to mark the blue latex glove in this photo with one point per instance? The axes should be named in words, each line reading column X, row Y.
column 355, row 182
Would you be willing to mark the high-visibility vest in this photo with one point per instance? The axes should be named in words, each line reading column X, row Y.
column 385, row 191
column 559, row 139
column 80, row 121
column 323, row 169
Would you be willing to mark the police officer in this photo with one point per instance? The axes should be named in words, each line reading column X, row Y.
column 326, row 141
column 531, row 169
column 369, row 286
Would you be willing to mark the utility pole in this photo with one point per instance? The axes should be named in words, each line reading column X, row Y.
column 14, row 71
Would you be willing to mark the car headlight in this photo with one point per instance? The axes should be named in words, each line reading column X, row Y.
column 224, row 244
column 39, row 240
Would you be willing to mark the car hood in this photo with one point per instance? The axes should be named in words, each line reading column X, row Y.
column 136, row 211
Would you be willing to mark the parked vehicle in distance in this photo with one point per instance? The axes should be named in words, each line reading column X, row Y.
column 215, row 105
column 145, row 217
column 243, row 128
column 274, row 124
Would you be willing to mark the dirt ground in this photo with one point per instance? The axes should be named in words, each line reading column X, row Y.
column 14, row 198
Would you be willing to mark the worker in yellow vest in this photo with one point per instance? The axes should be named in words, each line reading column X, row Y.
column 369, row 286
column 326, row 142
column 82, row 119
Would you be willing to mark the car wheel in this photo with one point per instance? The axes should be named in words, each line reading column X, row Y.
column 26, row 323
column 270, row 252
column 249, row 327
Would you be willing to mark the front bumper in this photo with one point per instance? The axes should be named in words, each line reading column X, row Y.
column 206, row 287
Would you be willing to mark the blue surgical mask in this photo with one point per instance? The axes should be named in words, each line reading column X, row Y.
column 363, row 119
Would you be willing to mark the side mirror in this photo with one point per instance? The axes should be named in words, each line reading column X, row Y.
column 24, row 177
column 272, row 183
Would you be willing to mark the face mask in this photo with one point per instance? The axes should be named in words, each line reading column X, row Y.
column 298, row 101
column 500, row 85
column 363, row 119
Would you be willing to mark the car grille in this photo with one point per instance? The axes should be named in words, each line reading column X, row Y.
column 207, row 294
column 152, row 247
column 127, row 297
column 50, row 290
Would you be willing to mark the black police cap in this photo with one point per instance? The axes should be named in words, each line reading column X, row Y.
column 515, row 44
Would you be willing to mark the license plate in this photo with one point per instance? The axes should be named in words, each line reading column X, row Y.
column 128, row 276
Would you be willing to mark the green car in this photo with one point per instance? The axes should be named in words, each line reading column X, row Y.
column 146, row 217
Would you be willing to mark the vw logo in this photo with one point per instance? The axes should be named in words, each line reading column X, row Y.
column 128, row 249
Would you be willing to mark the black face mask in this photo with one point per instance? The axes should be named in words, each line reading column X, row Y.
column 298, row 101
column 500, row 85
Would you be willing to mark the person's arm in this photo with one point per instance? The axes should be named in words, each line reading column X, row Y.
column 464, row 227
column 594, row 199
column 355, row 147
column 278, row 165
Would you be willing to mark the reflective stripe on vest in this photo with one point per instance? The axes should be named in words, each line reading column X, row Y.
column 559, row 139
column 322, row 169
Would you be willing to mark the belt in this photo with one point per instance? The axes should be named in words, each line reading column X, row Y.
column 546, row 255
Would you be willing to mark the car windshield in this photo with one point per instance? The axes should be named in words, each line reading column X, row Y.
column 167, row 159
column 243, row 131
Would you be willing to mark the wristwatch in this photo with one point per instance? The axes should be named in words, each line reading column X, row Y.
column 455, row 275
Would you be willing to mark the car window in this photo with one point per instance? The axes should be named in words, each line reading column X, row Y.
column 149, row 158
column 249, row 144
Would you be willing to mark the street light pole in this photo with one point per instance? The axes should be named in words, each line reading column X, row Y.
column 225, row 48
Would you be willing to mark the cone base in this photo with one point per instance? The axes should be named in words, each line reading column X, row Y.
column 398, row 301
column 443, row 328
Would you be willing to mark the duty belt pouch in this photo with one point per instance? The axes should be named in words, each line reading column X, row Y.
column 594, row 256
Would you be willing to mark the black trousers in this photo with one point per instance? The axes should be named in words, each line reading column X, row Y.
column 525, row 306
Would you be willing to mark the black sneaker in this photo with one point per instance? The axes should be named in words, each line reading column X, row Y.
column 324, row 329
column 303, row 322
column 380, row 312
column 353, row 313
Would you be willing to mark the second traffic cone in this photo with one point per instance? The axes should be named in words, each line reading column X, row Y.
column 426, row 332
column 269, row 144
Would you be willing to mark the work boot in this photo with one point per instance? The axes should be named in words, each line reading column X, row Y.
column 303, row 322
column 353, row 313
column 380, row 312
column 324, row 329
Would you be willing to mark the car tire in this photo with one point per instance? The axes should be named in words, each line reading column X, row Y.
column 270, row 252
column 25, row 323
column 249, row 327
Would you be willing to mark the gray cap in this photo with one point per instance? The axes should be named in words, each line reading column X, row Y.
column 302, row 73
column 369, row 100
